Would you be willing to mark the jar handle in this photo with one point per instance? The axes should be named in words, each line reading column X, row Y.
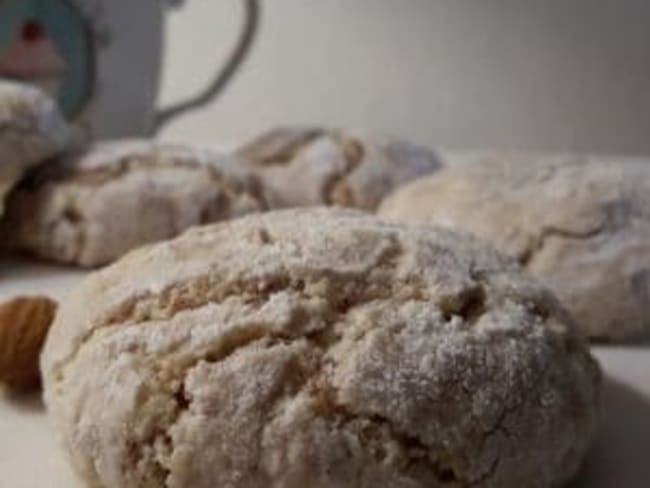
column 224, row 75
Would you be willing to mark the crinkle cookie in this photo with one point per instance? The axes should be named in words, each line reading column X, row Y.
column 318, row 348
column 580, row 225
column 311, row 166
column 31, row 131
column 93, row 208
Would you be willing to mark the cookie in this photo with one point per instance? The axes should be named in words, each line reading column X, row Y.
column 32, row 130
column 91, row 209
column 321, row 348
column 312, row 166
column 581, row 226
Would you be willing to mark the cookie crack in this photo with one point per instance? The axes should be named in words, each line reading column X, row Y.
column 321, row 339
column 487, row 475
column 183, row 402
column 204, row 290
column 262, row 152
column 65, row 170
column 335, row 191
column 470, row 305
column 241, row 339
column 499, row 424
column 525, row 397
column 372, row 430
column 77, row 220
column 534, row 249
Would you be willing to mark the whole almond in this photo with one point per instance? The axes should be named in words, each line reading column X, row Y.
column 24, row 323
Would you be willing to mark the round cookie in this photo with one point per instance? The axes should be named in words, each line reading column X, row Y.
column 90, row 209
column 321, row 348
column 582, row 226
column 312, row 166
column 32, row 130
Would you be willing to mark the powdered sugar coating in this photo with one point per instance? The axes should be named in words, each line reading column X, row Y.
column 92, row 208
column 32, row 129
column 318, row 348
column 302, row 166
column 581, row 225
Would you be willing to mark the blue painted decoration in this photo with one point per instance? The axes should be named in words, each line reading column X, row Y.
column 49, row 43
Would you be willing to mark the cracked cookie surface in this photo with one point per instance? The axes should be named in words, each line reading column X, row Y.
column 582, row 226
column 90, row 209
column 32, row 130
column 315, row 166
column 321, row 348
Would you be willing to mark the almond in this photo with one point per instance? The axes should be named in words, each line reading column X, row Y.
column 24, row 323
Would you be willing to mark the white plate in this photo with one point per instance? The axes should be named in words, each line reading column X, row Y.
column 29, row 457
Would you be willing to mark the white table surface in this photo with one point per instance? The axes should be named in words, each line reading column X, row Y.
column 29, row 457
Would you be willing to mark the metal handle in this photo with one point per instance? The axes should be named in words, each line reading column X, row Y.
column 226, row 73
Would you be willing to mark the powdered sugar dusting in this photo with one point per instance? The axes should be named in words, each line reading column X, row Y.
column 322, row 348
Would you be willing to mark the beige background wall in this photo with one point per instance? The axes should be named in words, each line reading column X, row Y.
column 463, row 74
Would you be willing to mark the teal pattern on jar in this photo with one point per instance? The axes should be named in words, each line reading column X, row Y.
column 49, row 43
